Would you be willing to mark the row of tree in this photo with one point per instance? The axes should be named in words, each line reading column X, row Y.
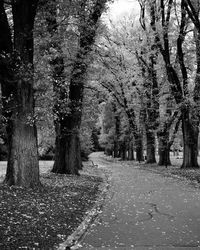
column 43, row 26
column 55, row 55
column 151, row 71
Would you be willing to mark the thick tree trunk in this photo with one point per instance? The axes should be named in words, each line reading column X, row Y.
column 150, row 137
column 190, row 141
column 23, row 165
column 164, row 158
column 116, row 149
column 130, row 152
column 164, row 151
column 123, row 151
column 139, row 148
column 59, row 157
column 68, row 150
column 67, row 160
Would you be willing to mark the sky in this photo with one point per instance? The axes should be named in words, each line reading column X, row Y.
column 120, row 8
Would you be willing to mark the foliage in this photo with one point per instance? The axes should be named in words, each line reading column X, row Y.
column 89, row 120
column 106, row 123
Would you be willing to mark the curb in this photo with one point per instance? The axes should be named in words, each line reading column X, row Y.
column 73, row 239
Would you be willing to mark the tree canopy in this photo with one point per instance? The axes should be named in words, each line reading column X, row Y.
column 72, row 83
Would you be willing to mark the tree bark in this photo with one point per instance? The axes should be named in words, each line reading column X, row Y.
column 190, row 141
column 150, row 137
column 23, row 165
column 130, row 152
column 123, row 151
column 66, row 160
column 108, row 151
column 116, row 149
column 164, row 157
column 164, row 150
column 117, row 131
column 139, row 148
column 72, row 120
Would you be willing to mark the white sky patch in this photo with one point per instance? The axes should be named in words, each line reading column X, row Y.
column 121, row 8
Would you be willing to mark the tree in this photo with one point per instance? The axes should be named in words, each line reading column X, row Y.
column 68, row 151
column 107, row 125
column 193, row 9
column 60, row 88
column 17, row 79
column 90, row 115
column 118, row 75
column 147, row 55
column 177, row 70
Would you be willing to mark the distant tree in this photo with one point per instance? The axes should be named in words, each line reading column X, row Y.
column 89, row 121
column 117, row 65
column 117, row 122
column 107, row 124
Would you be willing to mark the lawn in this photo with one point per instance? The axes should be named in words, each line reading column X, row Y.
column 44, row 218
column 192, row 175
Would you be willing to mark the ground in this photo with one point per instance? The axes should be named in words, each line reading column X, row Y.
column 43, row 219
column 147, row 207
column 190, row 174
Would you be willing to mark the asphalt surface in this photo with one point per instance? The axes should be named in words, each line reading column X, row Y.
column 144, row 210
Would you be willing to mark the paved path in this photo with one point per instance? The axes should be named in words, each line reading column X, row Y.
column 145, row 210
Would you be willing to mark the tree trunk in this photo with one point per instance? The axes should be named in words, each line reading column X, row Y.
column 165, row 142
column 190, row 141
column 108, row 151
column 164, row 158
column 130, row 152
column 116, row 149
column 164, row 150
column 123, row 151
column 67, row 160
column 59, row 157
column 23, row 165
column 117, row 132
column 139, row 148
column 150, row 137
column 131, row 155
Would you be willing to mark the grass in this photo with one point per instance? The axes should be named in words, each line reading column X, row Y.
column 192, row 175
column 44, row 218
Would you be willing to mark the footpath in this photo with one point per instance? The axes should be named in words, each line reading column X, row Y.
column 144, row 210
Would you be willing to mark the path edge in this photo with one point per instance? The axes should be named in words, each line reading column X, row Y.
column 91, row 215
